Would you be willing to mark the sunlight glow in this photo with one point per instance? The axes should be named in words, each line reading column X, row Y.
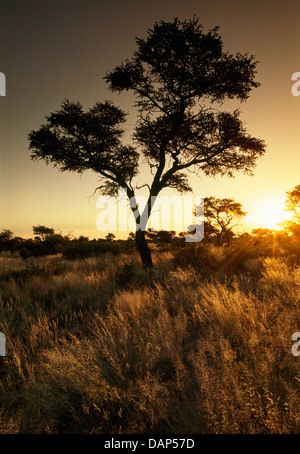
column 270, row 211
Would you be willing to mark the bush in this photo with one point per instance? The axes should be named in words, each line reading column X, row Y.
column 83, row 249
column 37, row 248
column 198, row 256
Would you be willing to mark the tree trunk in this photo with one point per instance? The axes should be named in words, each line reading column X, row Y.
column 143, row 249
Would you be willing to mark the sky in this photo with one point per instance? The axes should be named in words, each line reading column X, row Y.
column 51, row 50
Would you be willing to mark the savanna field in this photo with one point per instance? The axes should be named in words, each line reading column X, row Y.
column 199, row 344
column 167, row 331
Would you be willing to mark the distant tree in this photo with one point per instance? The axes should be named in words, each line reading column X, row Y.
column 220, row 218
column 293, row 203
column 42, row 232
column 131, row 236
column 6, row 235
column 110, row 237
column 7, row 241
column 179, row 75
column 82, row 238
column 161, row 236
column 46, row 241
column 290, row 227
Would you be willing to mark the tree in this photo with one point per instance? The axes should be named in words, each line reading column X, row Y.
column 220, row 218
column 6, row 235
column 110, row 237
column 179, row 75
column 82, row 238
column 131, row 236
column 7, row 241
column 42, row 232
column 293, row 203
column 161, row 236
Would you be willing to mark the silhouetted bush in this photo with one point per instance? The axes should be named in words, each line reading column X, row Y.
column 82, row 249
column 33, row 248
column 53, row 244
column 197, row 256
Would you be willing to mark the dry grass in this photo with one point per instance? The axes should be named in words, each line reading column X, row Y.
column 102, row 346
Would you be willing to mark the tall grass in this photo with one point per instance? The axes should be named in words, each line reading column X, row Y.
column 102, row 346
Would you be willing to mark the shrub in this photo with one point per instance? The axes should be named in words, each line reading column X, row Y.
column 83, row 249
column 198, row 256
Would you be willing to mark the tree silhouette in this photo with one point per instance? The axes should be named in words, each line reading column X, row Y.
column 179, row 75
column 110, row 237
column 221, row 216
column 293, row 203
column 161, row 236
column 131, row 236
column 7, row 241
column 42, row 232
column 6, row 235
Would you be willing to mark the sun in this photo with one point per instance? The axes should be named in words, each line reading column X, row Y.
column 269, row 211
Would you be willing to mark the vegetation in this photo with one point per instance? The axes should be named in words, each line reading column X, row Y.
column 181, row 78
column 221, row 217
column 293, row 203
column 201, row 343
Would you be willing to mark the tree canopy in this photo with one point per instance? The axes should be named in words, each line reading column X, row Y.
column 42, row 231
column 221, row 216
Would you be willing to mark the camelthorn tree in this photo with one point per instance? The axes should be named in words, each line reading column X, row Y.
column 181, row 77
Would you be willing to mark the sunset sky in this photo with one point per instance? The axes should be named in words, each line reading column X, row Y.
column 51, row 50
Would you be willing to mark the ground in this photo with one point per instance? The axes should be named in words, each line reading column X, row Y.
column 100, row 345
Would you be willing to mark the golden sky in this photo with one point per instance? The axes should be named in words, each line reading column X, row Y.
column 52, row 50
